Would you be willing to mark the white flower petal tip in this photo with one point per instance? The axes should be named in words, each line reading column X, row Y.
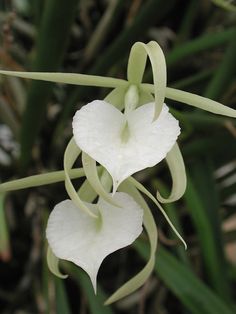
column 85, row 241
column 124, row 144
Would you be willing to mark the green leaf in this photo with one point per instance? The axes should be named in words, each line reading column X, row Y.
column 192, row 293
column 62, row 302
column 173, row 211
column 225, row 73
column 201, row 43
column 4, row 235
column 204, row 208
column 52, row 40
column 95, row 302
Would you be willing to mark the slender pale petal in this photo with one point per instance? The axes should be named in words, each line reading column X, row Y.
column 75, row 236
column 124, row 144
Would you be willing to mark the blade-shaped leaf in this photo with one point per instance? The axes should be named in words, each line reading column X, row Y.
column 194, row 295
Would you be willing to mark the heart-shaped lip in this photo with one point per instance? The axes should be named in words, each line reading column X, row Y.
column 75, row 236
column 124, row 144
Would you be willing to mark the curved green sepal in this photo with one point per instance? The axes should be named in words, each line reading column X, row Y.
column 69, row 78
column 71, row 154
column 195, row 101
column 200, row 102
column 175, row 163
column 150, row 226
column 90, row 169
column 86, row 192
column 116, row 97
column 138, row 56
column 53, row 262
column 141, row 188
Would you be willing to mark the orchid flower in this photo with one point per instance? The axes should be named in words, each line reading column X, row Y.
column 130, row 130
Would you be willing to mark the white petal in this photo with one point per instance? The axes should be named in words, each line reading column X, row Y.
column 76, row 237
column 97, row 129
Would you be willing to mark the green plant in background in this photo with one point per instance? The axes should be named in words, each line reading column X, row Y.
column 123, row 143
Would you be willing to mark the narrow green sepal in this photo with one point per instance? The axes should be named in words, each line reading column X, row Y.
column 71, row 154
column 141, row 188
column 150, row 226
column 90, row 169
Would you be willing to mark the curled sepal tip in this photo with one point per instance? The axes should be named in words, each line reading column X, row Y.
column 138, row 56
column 53, row 264
column 141, row 188
column 176, row 166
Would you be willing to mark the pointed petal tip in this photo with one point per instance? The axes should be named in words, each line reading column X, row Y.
column 93, row 278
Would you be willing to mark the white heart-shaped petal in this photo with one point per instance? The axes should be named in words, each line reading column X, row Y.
column 98, row 129
column 75, row 236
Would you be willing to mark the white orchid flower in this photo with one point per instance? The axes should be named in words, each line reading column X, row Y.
column 75, row 236
column 123, row 143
